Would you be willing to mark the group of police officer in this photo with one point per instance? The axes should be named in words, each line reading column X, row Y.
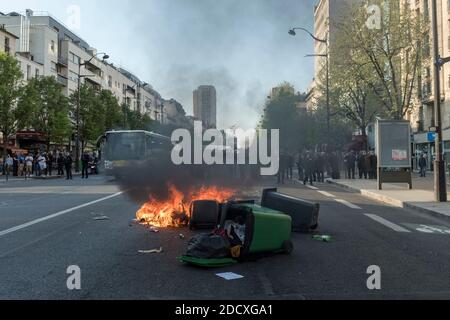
column 311, row 166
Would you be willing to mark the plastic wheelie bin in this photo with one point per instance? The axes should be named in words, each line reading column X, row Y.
column 266, row 231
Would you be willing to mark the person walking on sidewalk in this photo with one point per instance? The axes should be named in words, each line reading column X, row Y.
column 68, row 165
column 423, row 163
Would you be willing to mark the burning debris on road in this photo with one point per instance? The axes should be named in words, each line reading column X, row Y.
column 174, row 211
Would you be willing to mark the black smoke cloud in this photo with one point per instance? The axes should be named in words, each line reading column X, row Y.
column 151, row 180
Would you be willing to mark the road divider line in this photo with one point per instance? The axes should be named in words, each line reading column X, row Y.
column 55, row 215
column 327, row 194
column 348, row 204
column 387, row 223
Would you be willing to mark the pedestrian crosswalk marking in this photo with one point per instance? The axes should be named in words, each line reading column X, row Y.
column 387, row 223
column 312, row 187
column 348, row 204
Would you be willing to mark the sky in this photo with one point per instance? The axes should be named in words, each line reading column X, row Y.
column 242, row 47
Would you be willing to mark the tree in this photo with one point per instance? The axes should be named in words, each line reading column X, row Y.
column 10, row 89
column 44, row 108
column 392, row 53
column 113, row 114
column 351, row 96
column 89, row 114
column 281, row 112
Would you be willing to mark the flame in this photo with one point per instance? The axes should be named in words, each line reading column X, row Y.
column 173, row 211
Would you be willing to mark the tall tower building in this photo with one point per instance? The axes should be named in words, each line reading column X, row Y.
column 205, row 106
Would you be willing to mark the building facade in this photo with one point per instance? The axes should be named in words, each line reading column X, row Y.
column 44, row 46
column 327, row 14
column 422, row 116
column 205, row 105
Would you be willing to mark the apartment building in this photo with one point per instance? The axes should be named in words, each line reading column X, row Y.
column 44, row 46
column 205, row 105
column 7, row 41
column 327, row 14
column 422, row 116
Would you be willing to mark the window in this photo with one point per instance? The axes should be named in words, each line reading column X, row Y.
column 73, row 76
column 74, row 58
column 52, row 46
column 28, row 72
column 7, row 48
column 37, row 73
column 110, row 81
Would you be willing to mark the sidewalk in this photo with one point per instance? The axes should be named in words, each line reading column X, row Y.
column 421, row 198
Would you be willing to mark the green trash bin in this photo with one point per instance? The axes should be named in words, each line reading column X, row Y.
column 266, row 231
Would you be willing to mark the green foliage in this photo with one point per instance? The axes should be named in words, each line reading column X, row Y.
column 44, row 108
column 297, row 126
column 10, row 89
column 384, row 61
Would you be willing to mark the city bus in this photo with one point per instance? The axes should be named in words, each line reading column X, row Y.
column 128, row 148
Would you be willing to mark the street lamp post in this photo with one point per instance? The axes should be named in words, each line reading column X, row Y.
column 77, row 111
column 327, row 67
column 440, row 184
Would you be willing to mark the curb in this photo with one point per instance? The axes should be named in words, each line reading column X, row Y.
column 388, row 200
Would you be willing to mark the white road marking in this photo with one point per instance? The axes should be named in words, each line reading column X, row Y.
column 327, row 194
column 348, row 204
column 312, row 187
column 55, row 215
column 387, row 223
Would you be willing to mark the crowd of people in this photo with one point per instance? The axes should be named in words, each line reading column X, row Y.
column 365, row 162
column 44, row 164
column 312, row 166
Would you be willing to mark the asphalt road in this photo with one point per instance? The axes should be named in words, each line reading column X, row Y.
column 47, row 226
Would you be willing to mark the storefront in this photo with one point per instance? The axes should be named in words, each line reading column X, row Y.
column 424, row 143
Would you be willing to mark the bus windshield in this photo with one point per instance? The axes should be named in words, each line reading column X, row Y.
column 125, row 146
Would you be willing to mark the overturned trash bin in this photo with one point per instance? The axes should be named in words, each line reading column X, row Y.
column 304, row 214
column 204, row 214
column 266, row 232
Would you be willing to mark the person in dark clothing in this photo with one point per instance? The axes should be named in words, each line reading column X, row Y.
column 300, row 167
column 361, row 164
column 282, row 170
column 309, row 169
column 423, row 163
column 350, row 160
column 60, row 163
column 50, row 161
column 15, row 168
column 68, row 166
column 85, row 159
column 290, row 166
column 321, row 163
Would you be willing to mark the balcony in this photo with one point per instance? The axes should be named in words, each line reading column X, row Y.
column 62, row 61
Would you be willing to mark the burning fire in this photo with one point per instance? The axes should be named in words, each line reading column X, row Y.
column 173, row 212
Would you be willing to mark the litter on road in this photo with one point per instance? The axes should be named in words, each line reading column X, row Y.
column 101, row 218
column 151, row 251
column 322, row 238
column 229, row 276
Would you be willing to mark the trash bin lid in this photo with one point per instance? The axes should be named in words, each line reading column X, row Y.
column 208, row 263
